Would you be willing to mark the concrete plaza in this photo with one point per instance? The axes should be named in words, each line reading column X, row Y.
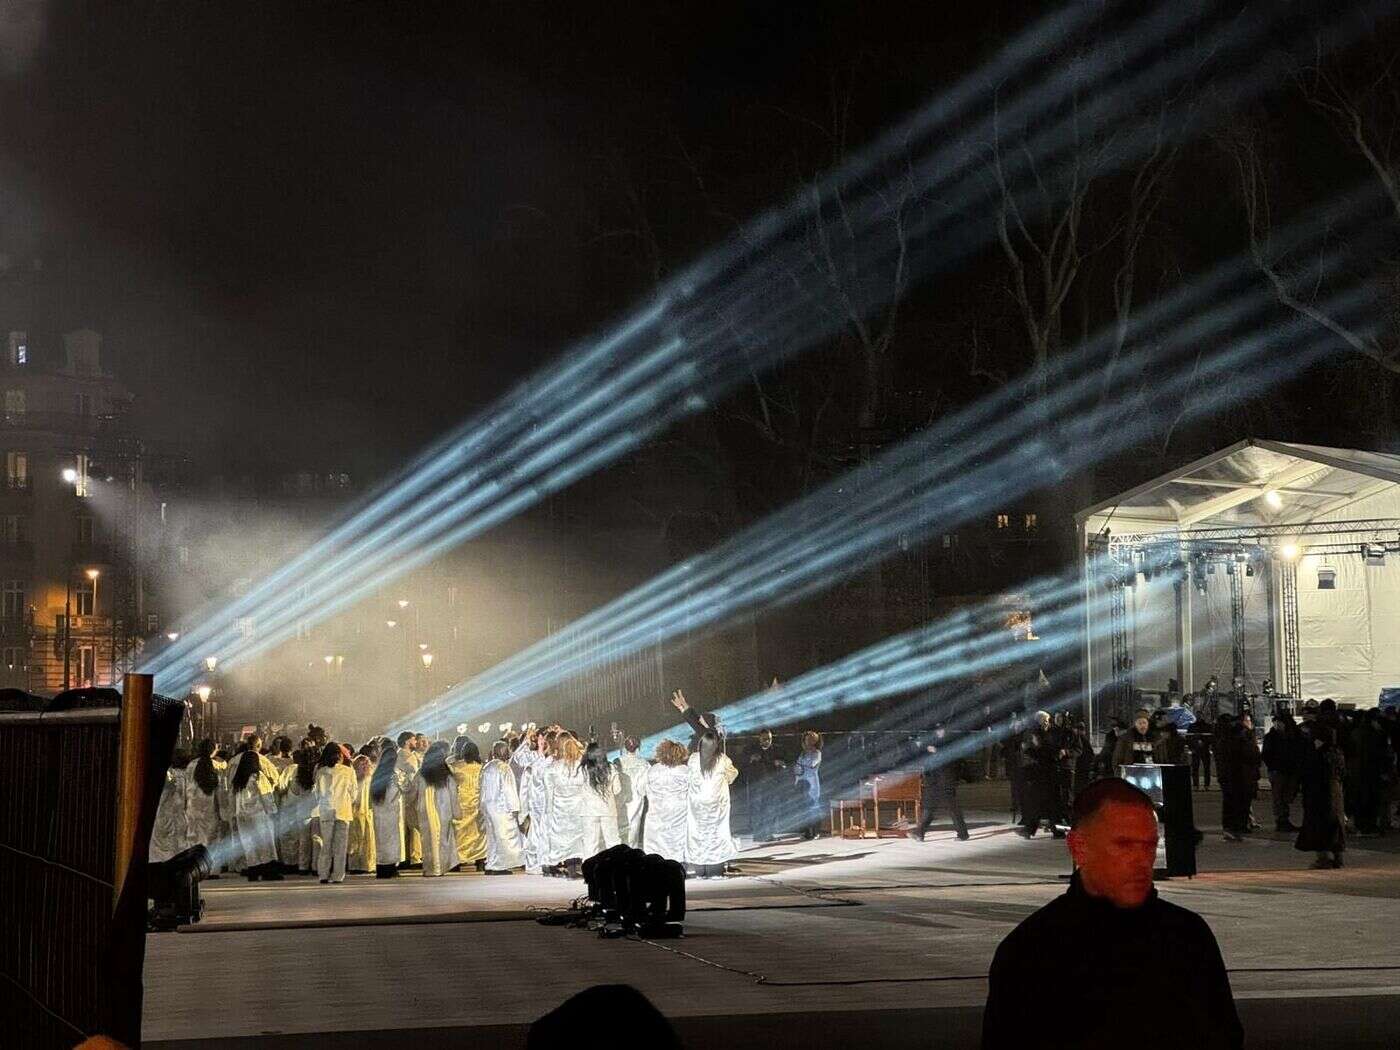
column 815, row 944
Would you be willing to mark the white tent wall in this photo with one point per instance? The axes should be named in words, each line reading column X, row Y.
column 1212, row 638
column 1349, row 638
column 1152, row 631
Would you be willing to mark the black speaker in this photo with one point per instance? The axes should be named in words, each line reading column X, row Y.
column 1178, row 820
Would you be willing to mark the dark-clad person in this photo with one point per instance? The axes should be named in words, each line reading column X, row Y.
column 1237, row 763
column 762, row 766
column 1323, row 773
column 1282, row 756
column 1107, row 998
column 1038, row 756
column 1134, row 747
column 940, row 785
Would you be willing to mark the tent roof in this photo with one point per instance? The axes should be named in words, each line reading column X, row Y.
column 1229, row 488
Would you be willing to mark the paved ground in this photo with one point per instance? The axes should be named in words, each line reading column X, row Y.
column 819, row 944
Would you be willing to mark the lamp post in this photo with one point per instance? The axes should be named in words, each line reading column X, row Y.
column 427, row 659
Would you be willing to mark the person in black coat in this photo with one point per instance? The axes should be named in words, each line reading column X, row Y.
column 1105, row 998
column 1324, row 822
column 1038, row 759
column 762, row 766
column 1237, row 760
column 940, row 783
column 1282, row 755
column 1374, row 761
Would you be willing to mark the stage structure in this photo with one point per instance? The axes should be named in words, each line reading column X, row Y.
column 1266, row 560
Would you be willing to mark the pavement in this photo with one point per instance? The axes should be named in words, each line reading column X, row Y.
column 832, row 942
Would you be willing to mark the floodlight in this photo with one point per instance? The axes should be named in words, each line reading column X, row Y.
column 1273, row 499
column 1289, row 552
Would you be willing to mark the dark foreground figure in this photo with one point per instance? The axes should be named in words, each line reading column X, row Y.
column 1121, row 966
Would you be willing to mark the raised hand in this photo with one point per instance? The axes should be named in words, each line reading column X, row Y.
column 678, row 701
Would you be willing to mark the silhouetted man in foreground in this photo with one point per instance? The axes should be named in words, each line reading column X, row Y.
column 1104, row 954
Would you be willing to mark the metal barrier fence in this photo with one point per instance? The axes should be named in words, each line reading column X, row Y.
column 79, row 782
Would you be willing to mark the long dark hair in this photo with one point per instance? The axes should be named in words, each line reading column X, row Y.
column 434, row 771
column 248, row 768
column 464, row 749
column 595, row 767
column 709, row 750
column 331, row 755
column 383, row 774
column 306, row 766
column 206, row 778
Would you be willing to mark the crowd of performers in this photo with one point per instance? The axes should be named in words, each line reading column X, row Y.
column 540, row 803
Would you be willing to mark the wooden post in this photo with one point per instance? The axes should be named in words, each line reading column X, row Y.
column 134, row 757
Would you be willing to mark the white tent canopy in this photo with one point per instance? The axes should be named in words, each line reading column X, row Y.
column 1311, row 611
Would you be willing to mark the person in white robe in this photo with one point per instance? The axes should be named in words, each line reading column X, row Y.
column 632, row 771
column 252, row 825
column 409, row 762
column 534, row 757
column 296, row 812
column 599, row 810
column 335, row 808
column 439, row 805
column 668, row 803
column 709, row 843
column 386, row 800
column 465, row 763
column 564, row 800
column 203, row 818
column 500, row 813
column 170, row 835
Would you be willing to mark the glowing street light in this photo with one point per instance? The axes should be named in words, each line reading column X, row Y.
column 203, row 693
column 211, row 662
column 93, row 574
column 427, row 660
column 403, row 603
column 172, row 635
column 423, row 647
column 329, row 660
column 391, row 623
column 70, row 476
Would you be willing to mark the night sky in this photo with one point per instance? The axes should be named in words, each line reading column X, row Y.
column 299, row 224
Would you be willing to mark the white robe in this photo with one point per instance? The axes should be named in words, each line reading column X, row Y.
column 202, row 813
column 600, row 815
column 170, row 834
column 437, row 809
column 293, row 841
column 631, row 797
column 668, row 810
column 408, row 763
column 708, row 839
column 361, row 853
column 564, row 788
column 500, row 812
column 254, row 832
column 534, row 802
column 388, row 822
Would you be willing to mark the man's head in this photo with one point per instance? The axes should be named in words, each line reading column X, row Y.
column 631, row 745
column 403, row 739
column 421, row 742
column 1114, row 841
column 1247, row 722
column 1042, row 719
column 1142, row 721
column 765, row 739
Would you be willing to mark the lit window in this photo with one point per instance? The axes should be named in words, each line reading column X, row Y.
column 1032, row 522
column 14, row 405
column 19, row 348
column 1003, row 521
column 83, row 598
column 13, row 658
column 17, row 470
column 13, row 600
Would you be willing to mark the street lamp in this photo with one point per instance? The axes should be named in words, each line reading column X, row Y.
column 211, row 662
column 403, row 603
column 70, row 475
column 427, row 660
column 93, row 574
column 391, row 623
column 172, row 635
column 204, row 692
column 423, row 647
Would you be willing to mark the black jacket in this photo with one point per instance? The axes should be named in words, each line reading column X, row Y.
column 1105, row 968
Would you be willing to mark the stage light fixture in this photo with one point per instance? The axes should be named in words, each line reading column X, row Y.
column 1373, row 554
column 1289, row 552
column 1326, row 579
column 173, row 887
column 1273, row 499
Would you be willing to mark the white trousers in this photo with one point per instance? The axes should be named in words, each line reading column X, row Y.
column 334, row 844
